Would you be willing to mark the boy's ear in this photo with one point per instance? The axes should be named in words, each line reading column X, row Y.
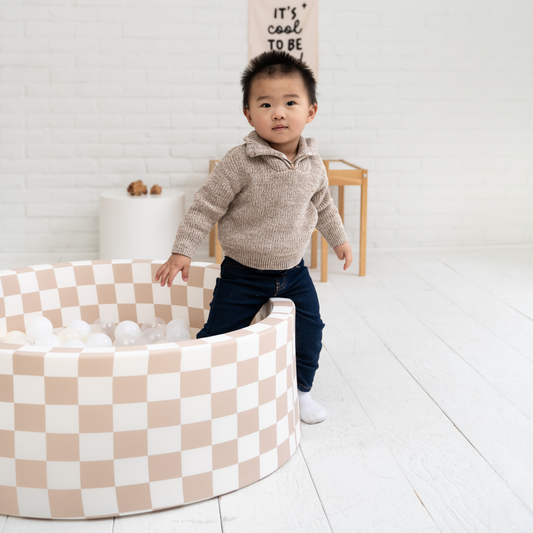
column 248, row 116
column 312, row 113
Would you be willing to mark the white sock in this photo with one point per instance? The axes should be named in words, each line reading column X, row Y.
column 311, row 412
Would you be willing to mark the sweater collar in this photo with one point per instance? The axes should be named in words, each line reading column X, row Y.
column 256, row 145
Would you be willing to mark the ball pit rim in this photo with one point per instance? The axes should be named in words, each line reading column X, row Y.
column 10, row 348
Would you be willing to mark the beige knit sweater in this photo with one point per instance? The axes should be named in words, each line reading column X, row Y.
column 266, row 206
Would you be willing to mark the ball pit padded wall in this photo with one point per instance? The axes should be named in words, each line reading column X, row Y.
column 95, row 432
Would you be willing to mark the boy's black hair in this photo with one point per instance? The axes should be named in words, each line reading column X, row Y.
column 276, row 63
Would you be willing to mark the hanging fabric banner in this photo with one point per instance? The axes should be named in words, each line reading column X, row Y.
column 291, row 28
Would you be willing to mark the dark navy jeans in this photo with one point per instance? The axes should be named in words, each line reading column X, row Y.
column 241, row 291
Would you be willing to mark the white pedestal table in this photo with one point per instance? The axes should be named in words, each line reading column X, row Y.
column 139, row 227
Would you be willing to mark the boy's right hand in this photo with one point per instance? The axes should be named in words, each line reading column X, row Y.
column 168, row 271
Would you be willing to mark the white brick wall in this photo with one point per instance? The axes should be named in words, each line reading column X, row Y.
column 434, row 98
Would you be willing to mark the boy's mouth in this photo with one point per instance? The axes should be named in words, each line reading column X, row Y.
column 279, row 127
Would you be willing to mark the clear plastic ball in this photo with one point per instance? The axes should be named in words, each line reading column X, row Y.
column 38, row 327
column 154, row 322
column 151, row 336
column 99, row 340
column 103, row 325
column 69, row 333
column 22, row 340
column 10, row 335
column 82, row 326
column 176, row 322
column 129, row 327
column 126, row 340
column 178, row 334
column 48, row 340
column 74, row 343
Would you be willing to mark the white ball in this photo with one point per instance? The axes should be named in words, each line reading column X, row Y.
column 69, row 333
column 10, row 335
column 38, row 326
column 48, row 340
column 103, row 325
column 178, row 334
column 74, row 343
column 177, row 322
column 96, row 327
column 154, row 322
column 151, row 336
column 82, row 326
column 126, row 340
column 129, row 327
column 99, row 340
column 23, row 340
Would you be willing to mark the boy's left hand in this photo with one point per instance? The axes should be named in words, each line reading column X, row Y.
column 344, row 251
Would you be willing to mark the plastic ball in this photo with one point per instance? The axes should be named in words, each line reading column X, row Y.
column 178, row 334
column 126, row 340
column 99, row 340
column 102, row 325
column 151, row 336
column 129, row 327
column 23, row 340
column 74, row 343
column 69, row 333
column 155, row 322
column 10, row 335
column 38, row 327
column 82, row 326
column 177, row 322
column 48, row 340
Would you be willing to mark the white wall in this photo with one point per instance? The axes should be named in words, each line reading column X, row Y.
column 435, row 98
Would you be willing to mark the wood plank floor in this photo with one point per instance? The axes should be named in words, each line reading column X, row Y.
column 427, row 375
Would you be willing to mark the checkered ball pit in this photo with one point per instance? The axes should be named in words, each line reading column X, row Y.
column 95, row 432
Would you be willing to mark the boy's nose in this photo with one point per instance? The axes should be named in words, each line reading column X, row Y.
column 278, row 113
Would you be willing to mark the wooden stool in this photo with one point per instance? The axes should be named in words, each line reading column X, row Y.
column 342, row 173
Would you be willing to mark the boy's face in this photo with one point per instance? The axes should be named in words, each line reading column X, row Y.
column 278, row 110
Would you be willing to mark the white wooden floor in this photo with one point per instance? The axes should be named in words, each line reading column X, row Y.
column 427, row 373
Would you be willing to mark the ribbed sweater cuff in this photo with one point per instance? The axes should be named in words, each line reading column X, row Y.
column 187, row 249
column 335, row 235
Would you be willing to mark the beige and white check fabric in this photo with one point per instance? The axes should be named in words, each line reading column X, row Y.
column 96, row 432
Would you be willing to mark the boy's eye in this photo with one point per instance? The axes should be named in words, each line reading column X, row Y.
column 265, row 105
column 292, row 102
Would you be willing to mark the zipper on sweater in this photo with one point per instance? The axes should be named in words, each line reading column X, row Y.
column 292, row 164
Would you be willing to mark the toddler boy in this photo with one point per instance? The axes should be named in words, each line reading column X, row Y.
column 267, row 195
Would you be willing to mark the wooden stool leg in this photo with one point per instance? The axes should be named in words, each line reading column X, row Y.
column 341, row 202
column 324, row 245
column 212, row 238
column 362, row 236
column 324, row 261
column 218, row 250
column 314, row 249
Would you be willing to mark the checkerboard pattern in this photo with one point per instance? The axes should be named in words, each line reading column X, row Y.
column 96, row 432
